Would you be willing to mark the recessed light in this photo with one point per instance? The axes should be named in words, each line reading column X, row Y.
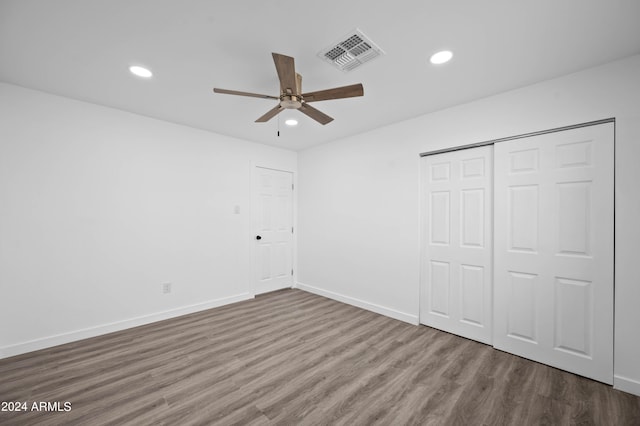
column 140, row 71
column 441, row 57
column 291, row 122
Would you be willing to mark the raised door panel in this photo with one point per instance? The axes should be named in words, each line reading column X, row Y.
column 473, row 287
column 440, row 288
column 522, row 312
column 574, row 317
column 439, row 223
column 472, row 218
column 574, row 218
column 522, row 218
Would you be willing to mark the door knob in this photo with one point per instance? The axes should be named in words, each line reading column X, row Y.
column 258, row 237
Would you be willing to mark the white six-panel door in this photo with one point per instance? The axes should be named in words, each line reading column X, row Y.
column 553, row 242
column 273, row 229
column 457, row 254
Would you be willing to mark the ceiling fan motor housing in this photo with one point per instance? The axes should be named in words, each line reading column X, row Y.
column 290, row 101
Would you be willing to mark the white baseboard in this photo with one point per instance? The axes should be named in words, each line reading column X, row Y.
column 60, row 339
column 626, row 384
column 402, row 316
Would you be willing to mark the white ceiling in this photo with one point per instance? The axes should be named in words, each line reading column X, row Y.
column 82, row 49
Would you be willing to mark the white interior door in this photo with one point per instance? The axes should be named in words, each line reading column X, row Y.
column 273, row 230
column 554, row 249
column 457, row 252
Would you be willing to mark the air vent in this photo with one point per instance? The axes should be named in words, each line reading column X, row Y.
column 351, row 51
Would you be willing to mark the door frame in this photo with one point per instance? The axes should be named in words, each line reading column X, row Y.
column 253, row 194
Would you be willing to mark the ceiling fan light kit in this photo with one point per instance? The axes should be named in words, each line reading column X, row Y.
column 441, row 57
column 140, row 71
column 291, row 96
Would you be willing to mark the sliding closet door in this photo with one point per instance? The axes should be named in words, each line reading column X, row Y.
column 457, row 251
column 553, row 241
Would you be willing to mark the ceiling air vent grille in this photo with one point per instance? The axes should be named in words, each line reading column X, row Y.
column 351, row 51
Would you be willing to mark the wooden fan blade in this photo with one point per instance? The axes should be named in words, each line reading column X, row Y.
column 317, row 115
column 336, row 93
column 270, row 114
column 235, row 92
column 298, row 84
column 286, row 69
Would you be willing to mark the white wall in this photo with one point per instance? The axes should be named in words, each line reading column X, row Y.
column 359, row 197
column 99, row 207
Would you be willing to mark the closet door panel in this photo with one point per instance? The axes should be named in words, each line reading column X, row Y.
column 457, row 250
column 553, row 257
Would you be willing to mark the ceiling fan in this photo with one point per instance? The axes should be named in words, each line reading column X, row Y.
column 291, row 96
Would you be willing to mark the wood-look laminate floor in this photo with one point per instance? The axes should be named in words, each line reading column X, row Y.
column 294, row 358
